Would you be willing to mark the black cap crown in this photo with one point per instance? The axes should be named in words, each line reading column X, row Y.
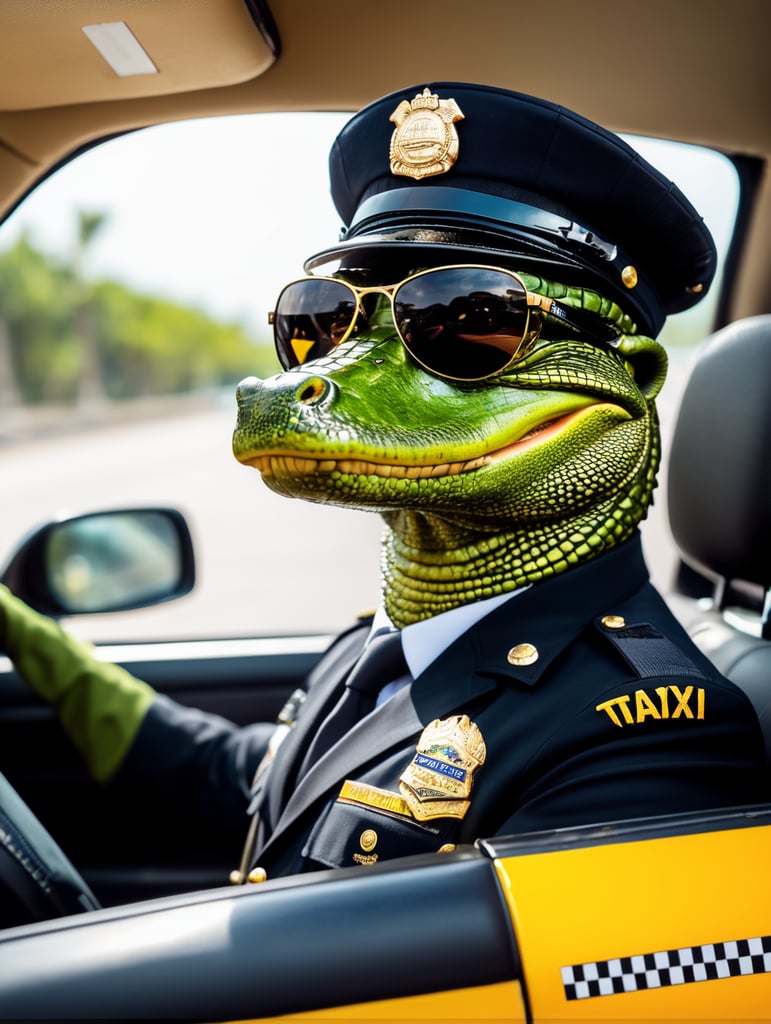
column 480, row 172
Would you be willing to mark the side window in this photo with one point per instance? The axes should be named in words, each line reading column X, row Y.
column 135, row 285
column 710, row 181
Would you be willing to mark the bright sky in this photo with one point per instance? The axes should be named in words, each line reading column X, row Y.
column 221, row 214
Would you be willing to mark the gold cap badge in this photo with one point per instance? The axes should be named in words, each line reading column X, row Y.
column 437, row 782
column 424, row 141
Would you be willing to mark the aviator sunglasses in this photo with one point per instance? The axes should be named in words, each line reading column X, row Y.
column 464, row 322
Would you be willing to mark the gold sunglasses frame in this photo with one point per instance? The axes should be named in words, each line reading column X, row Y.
column 539, row 304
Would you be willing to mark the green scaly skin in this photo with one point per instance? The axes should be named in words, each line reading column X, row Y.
column 484, row 487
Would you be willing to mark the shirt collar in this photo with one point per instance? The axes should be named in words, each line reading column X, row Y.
column 424, row 641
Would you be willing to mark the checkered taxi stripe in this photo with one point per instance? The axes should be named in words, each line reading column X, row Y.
column 668, row 967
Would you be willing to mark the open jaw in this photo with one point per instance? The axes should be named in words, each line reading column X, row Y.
column 286, row 463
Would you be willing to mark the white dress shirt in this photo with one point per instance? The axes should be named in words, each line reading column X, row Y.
column 424, row 641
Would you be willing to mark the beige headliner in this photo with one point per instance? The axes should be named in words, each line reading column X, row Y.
column 695, row 70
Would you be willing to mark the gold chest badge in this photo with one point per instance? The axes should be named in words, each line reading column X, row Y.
column 437, row 782
column 424, row 141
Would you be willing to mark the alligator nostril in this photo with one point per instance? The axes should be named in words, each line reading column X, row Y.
column 312, row 390
column 246, row 387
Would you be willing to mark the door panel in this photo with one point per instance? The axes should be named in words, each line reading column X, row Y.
column 126, row 850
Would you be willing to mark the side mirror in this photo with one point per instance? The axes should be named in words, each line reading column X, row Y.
column 104, row 562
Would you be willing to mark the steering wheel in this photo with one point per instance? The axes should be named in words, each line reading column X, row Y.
column 37, row 880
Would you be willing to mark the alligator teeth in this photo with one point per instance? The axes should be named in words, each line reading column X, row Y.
column 296, row 465
column 483, row 460
column 302, row 465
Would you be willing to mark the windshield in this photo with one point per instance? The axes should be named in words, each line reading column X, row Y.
column 135, row 285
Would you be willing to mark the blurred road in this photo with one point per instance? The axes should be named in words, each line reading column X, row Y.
column 266, row 564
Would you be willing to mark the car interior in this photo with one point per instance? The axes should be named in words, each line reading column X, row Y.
column 693, row 71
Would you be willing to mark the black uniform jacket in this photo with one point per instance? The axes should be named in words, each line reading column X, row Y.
column 615, row 716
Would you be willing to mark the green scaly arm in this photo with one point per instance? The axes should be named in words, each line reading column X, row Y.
column 101, row 706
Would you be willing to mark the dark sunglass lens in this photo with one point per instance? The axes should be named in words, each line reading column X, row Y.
column 310, row 319
column 462, row 322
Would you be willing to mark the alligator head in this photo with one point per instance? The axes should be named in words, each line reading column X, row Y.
column 483, row 486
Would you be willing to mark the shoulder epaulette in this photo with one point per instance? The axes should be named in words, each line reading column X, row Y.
column 645, row 650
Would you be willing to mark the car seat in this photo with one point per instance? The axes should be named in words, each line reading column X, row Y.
column 719, row 506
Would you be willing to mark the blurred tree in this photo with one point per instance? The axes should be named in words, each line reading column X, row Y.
column 35, row 299
column 145, row 345
column 91, row 389
column 153, row 346
column 9, row 390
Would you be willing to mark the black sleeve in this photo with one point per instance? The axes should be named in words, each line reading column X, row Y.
column 199, row 763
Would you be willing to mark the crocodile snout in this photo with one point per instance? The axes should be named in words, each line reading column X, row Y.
column 272, row 410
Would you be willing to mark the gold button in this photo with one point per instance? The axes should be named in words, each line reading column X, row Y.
column 522, row 654
column 368, row 840
column 257, row 875
column 695, row 289
column 629, row 277
column 447, row 848
column 613, row 621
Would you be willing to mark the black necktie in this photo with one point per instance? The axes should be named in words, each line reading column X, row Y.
column 381, row 662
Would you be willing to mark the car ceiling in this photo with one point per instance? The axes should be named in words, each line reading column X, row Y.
column 693, row 70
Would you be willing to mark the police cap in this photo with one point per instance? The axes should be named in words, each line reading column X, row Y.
column 478, row 173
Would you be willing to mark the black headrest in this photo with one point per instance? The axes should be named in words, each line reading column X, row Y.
column 719, row 480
